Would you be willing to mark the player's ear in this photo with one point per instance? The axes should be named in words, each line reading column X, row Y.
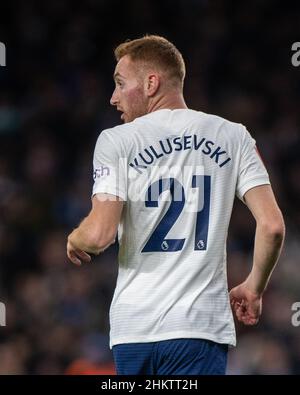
column 152, row 84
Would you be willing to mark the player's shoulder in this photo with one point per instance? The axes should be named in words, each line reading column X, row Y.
column 217, row 120
column 116, row 134
column 230, row 131
column 123, row 134
column 117, row 131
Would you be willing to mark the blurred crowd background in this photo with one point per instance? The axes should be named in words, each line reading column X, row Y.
column 54, row 101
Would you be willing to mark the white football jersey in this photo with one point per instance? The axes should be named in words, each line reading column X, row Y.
column 178, row 172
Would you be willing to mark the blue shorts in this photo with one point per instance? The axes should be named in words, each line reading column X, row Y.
column 170, row 357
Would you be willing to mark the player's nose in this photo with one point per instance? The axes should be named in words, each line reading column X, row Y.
column 114, row 99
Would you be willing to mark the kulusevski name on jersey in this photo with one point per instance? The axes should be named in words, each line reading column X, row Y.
column 179, row 143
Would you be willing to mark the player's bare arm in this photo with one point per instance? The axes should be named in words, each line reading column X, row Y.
column 97, row 231
column 246, row 298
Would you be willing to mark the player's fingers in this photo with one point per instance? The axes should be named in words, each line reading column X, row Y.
column 72, row 256
column 239, row 313
column 83, row 255
column 238, row 305
column 253, row 321
column 232, row 300
column 255, row 310
column 235, row 294
column 250, row 321
column 246, row 316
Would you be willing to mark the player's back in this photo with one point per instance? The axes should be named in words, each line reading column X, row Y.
column 179, row 175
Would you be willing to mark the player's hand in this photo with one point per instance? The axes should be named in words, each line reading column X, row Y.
column 75, row 254
column 246, row 304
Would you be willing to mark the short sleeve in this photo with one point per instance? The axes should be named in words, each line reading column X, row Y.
column 252, row 171
column 109, row 167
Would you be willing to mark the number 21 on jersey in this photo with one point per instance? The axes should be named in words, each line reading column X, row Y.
column 158, row 241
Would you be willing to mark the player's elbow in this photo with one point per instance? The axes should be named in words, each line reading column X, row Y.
column 274, row 228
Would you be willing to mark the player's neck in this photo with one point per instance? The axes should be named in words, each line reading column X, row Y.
column 171, row 102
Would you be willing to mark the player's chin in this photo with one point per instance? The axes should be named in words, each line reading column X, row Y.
column 125, row 118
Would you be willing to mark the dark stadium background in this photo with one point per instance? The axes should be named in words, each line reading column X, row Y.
column 54, row 101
